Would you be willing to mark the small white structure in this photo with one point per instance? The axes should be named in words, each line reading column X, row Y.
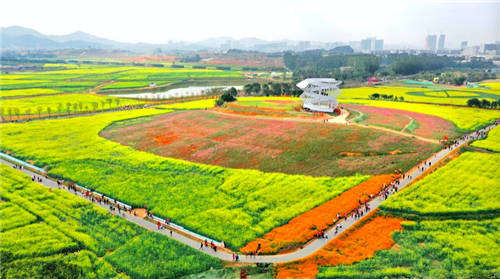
column 320, row 94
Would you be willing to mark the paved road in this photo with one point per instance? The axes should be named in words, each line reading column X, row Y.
column 308, row 249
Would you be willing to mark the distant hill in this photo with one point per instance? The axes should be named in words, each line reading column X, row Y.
column 17, row 37
column 22, row 38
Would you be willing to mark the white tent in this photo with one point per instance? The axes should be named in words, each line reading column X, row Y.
column 320, row 94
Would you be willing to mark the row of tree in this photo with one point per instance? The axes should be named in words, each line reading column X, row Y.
column 318, row 63
column 377, row 96
column 272, row 89
column 454, row 77
column 61, row 109
column 483, row 103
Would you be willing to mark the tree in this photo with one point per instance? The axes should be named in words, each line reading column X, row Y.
column 49, row 111
column 95, row 105
column 80, row 105
column 59, row 107
column 233, row 92
column 39, row 110
column 16, row 112
column 28, row 112
column 459, row 80
column 9, row 112
column 68, row 107
column 75, row 107
column 103, row 103
column 265, row 89
column 485, row 103
column 256, row 87
column 375, row 96
column 219, row 102
column 227, row 97
column 248, row 88
column 275, row 88
column 110, row 101
column 285, row 88
column 117, row 101
column 473, row 102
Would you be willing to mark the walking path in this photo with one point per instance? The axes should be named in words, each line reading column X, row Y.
column 192, row 239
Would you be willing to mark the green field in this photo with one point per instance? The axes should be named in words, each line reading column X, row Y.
column 465, row 118
column 432, row 249
column 64, row 236
column 435, row 95
column 79, row 78
column 226, row 204
column 455, row 229
column 461, row 189
column 492, row 142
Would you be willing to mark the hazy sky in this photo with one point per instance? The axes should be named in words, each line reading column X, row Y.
column 399, row 21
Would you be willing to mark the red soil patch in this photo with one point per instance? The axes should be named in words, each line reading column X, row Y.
column 302, row 228
column 270, row 145
column 428, row 126
column 354, row 245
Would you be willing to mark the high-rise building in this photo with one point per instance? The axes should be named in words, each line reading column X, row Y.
column 430, row 42
column 371, row 44
column 463, row 44
column 441, row 41
column 366, row 44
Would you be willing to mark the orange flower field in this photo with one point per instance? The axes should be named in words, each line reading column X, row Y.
column 302, row 228
column 354, row 245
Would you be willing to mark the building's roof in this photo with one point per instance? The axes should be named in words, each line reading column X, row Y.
column 320, row 83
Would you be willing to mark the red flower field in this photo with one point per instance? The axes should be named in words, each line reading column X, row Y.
column 428, row 126
column 352, row 246
column 292, row 147
column 302, row 228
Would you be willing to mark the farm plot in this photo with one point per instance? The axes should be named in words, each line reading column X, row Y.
column 65, row 236
column 464, row 118
column 452, row 96
column 60, row 104
column 80, row 78
column 226, row 204
column 462, row 188
column 440, row 243
column 356, row 244
column 492, row 142
column 303, row 227
column 271, row 145
column 431, row 249
column 420, row 124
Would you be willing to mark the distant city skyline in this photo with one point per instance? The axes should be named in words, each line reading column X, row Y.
column 403, row 23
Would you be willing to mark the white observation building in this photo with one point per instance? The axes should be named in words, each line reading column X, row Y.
column 320, row 94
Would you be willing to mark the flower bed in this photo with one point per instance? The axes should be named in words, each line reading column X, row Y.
column 303, row 227
column 271, row 145
column 356, row 244
column 427, row 126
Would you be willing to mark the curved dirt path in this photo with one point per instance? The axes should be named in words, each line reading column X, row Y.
column 194, row 240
